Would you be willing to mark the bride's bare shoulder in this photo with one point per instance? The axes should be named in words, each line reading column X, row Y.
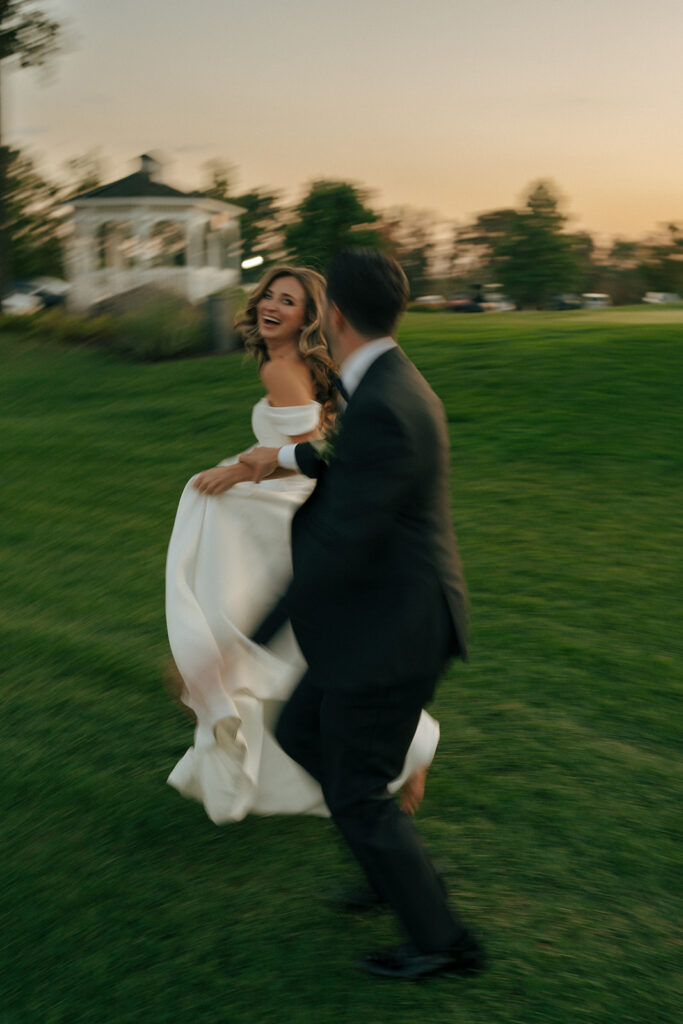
column 287, row 382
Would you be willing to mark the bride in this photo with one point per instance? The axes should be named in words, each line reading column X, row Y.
column 229, row 559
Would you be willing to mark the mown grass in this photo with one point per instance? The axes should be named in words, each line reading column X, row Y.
column 553, row 803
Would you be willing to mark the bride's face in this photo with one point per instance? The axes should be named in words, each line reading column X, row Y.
column 281, row 312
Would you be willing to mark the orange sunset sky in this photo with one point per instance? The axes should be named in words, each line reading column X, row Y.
column 451, row 106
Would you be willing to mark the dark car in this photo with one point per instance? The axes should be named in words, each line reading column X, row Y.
column 52, row 290
column 464, row 303
column 565, row 301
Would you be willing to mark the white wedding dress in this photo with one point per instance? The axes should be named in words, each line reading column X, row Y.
column 228, row 562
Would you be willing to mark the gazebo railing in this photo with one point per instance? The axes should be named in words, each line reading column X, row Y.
column 194, row 284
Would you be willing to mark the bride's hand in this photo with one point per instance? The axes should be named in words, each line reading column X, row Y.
column 219, row 479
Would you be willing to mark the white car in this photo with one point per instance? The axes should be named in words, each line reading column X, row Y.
column 496, row 302
column 430, row 300
column 595, row 300
column 656, row 298
column 35, row 293
column 21, row 302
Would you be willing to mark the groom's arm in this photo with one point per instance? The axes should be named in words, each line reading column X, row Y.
column 306, row 458
column 295, row 458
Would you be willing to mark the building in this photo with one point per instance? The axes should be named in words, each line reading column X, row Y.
column 139, row 231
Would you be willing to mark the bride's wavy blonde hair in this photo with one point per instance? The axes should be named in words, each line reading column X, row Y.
column 312, row 344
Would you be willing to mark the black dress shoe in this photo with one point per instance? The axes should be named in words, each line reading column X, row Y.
column 407, row 962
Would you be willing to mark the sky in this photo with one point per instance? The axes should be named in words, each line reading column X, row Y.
column 449, row 106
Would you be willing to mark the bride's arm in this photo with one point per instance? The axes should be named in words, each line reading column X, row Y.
column 285, row 387
column 221, row 478
column 250, row 467
column 266, row 464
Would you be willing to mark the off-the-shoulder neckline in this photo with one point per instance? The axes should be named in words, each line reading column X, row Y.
column 310, row 402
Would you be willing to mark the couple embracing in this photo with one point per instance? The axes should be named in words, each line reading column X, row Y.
column 315, row 595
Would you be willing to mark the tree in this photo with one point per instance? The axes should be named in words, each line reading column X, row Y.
column 27, row 38
column 408, row 237
column 260, row 224
column 332, row 216
column 619, row 272
column 32, row 221
column 261, row 228
column 583, row 249
column 474, row 245
column 535, row 259
column 663, row 264
column 84, row 172
column 220, row 179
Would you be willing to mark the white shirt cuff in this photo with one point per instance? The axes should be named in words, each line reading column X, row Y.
column 286, row 458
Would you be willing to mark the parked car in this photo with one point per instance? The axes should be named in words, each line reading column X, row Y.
column 430, row 300
column 22, row 300
column 496, row 302
column 595, row 300
column 660, row 297
column 52, row 290
column 481, row 299
column 35, row 293
column 463, row 303
column 565, row 301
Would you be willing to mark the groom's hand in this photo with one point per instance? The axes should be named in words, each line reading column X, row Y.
column 261, row 462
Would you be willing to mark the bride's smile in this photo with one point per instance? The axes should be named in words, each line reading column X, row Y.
column 282, row 312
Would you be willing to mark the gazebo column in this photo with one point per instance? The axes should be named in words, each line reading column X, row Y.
column 215, row 250
column 118, row 257
column 112, row 255
column 233, row 246
column 194, row 233
column 82, row 258
column 142, row 226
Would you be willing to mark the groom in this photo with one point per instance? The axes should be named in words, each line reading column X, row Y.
column 378, row 606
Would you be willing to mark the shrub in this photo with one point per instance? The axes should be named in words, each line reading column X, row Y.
column 57, row 325
column 162, row 328
column 18, row 324
column 158, row 327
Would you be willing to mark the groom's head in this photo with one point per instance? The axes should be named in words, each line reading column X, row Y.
column 369, row 290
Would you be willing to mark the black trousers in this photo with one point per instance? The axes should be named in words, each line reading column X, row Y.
column 354, row 744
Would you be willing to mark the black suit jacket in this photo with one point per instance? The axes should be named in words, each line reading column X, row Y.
column 374, row 554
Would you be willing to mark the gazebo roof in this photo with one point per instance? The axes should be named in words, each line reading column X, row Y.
column 138, row 185
column 145, row 184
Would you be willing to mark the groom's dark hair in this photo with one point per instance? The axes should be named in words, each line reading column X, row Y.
column 369, row 288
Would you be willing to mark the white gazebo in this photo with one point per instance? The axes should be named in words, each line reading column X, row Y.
column 139, row 231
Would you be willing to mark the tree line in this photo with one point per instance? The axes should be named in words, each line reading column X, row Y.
column 528, row 252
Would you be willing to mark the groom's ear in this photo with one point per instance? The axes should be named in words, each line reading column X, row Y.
column 338, row 319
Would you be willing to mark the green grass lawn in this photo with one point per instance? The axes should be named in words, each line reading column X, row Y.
column 554, row 800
